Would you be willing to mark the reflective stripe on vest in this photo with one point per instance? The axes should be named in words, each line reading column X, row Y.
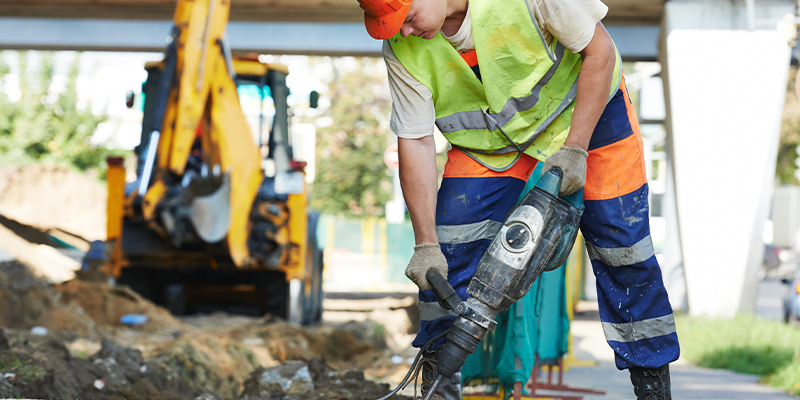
column 480, row 119
column 526, row 99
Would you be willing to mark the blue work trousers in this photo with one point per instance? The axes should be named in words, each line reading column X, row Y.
column 634, row 308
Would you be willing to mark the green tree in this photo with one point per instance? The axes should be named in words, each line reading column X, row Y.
column 352, row 178
column 790, row 135
column 46, row 125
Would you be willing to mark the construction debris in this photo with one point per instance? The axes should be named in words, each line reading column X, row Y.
column 29, row 301
column 273, row 384
column 39, row 330
column 44, row 368
column 88, row 350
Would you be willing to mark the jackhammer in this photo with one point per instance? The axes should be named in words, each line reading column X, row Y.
column 536, row 236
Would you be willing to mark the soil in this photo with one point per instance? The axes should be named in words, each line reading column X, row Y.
column 54, row 197
column 29, row 302
column 88, row 353
column 216, row 355
column 324, row 383
column 106, row 305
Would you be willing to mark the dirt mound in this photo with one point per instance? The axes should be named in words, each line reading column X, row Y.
column 106, row 305
column 28, row 301
column 75, row 307
column 313, row 380
column 221, row 351
column 211, row 363
column 290, row 342
column 284, row 341
column 54, row 197
column 87, row 347
column 41, row 367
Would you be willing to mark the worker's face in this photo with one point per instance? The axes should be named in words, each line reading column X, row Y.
column 425, row 18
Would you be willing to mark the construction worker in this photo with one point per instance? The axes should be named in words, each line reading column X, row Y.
column 510, row 83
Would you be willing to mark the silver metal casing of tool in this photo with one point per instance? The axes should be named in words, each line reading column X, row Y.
column 537, row 236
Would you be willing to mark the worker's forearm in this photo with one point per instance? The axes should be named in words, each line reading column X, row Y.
column 418, row 178
column 594, row 86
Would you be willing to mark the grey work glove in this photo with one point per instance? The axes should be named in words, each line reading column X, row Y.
column 572, row 161
column 426, row 256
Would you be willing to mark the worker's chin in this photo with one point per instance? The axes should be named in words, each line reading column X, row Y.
column 428, row 35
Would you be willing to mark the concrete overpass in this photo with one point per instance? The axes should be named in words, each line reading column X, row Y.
column 332, row 27
column 621, row 12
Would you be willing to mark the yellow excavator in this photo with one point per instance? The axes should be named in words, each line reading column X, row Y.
column 217, row 217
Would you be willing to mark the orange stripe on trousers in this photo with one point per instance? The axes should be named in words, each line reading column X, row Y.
column 460, row 165
column 618, row 168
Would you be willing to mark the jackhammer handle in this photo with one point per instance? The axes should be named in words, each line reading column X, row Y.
column 440, row 285
column 445, row 292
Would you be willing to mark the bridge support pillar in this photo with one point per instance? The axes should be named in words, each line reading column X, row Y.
column 725, row 68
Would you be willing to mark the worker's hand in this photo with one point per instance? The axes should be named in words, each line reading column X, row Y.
column 426, row 256
column 572, row 161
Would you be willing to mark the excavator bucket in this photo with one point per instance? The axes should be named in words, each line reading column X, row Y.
column 211, row 214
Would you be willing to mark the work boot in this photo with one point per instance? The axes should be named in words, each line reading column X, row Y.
column 651, row 383
column 447, row 390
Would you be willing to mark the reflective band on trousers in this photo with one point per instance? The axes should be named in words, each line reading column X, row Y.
column 431, row 311
column 633, row 331
column 454, row 234
column 621, row 256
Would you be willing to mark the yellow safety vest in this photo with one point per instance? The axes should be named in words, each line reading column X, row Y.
column 526, row 98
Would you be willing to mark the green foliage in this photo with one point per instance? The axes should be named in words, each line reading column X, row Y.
column 790, row 135
column 352, row 179
column 745, row 344
column 27, row 369
column 46, row 126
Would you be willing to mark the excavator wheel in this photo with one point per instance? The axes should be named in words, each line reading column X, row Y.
column 312, row 302
column 305, row 296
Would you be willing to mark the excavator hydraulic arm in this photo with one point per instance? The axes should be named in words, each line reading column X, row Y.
column 217, row 215
column 204, row 102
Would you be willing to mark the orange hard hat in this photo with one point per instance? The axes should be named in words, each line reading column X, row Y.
column 383, row 18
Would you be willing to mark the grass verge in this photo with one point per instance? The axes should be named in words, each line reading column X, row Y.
column 745, row 344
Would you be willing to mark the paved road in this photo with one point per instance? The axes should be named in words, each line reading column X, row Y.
column 771, row 291
column 688, row 382
column 769, row 303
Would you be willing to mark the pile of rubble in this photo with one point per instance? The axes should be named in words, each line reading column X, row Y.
column 298, row 380
column 69, row 341
column 41, row 367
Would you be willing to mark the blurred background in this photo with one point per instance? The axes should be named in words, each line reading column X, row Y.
column 713, row 84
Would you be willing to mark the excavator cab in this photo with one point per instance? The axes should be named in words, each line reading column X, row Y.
column 177, row 239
